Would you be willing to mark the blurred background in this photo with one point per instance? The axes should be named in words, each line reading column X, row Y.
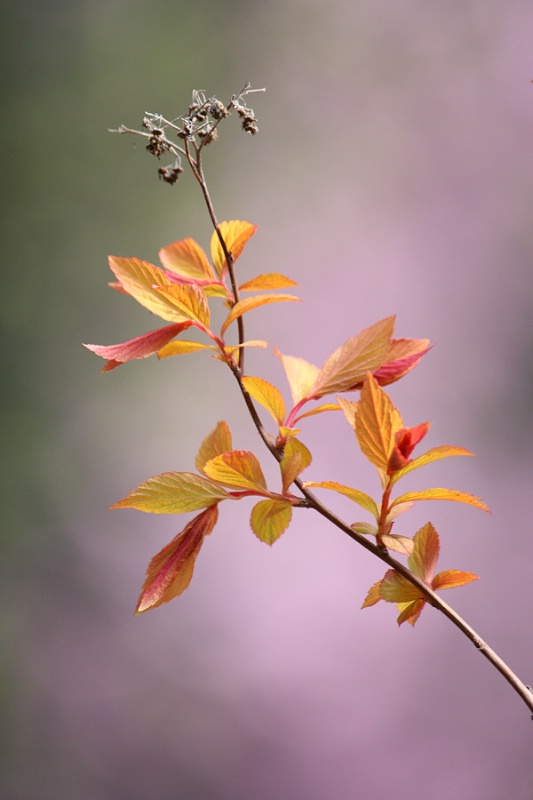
column 393, row 173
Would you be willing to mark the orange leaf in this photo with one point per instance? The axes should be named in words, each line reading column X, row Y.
column 138, row 279
column 267, row 395
column 442, row 494
column 318, row 410
column 141, row 347
column 373, row 595
column 423, row 560
column 410, row 611
column 235, row 234
column 450, row 578
column 239, row 469
column 358, row 497
column 271, row 280
column 173, row 493
column 216, row 442
column 170, row 571
column 189, row 300
column 397, row 589
column 349, row 364
column 270, row 518
column 187, row 259
column 301, row 376
column 376, row 423
column 249, row 303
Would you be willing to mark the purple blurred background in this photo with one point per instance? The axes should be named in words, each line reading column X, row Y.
column 393, row 173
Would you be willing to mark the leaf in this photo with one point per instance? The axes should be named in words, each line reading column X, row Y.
column 187, row 259
column 170, row 571
column 139, row 279
column 301, row 376
column 403, row 355
column 405, row 441
column 231, row 348
column 295, row 446
column 451, row 578
column 318, row 410
column 189, row 300
column 435, row 454
column 423, row 560
column 349, row 409
column 141, row 347
column 349, row 364
column 182, row 347
column 358, row 497
column 267, row 395
column 271, row 280
column 249, row 303
column 397, row 589
column 401, row 544
column 410, row 611
column 373, row 595
column 270, row 518
column 216, row 442
column 239, row 469
column 376, row 422
column 290, row 466
column 442, row 494
column 235, row 234
column 173, row 493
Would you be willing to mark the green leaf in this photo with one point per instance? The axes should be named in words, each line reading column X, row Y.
column 173, row 493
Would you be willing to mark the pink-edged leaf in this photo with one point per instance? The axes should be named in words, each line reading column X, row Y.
column 270, row 518
column 216, row 442
column 403, row 355
column 141, row 347
column 271, row 280
column 170, row 571
column 188, row 260
column 173, row 493
column 442, row 494
column 451, row 578
column 349, row 364
column 256, row 301
column 405, row 441
column 238, row 469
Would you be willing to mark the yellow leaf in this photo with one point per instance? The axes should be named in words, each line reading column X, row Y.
column 450, row 578
column 272, row 280
column 435, row 454
column 270, row 518
column 442, row 494
column 231, row 348
column 216, row 442
column 319, row 410
column 186, row 258
column 249, row 303
column 397, row 589
column 290, row 466
column 293, row 446
column 140, row 279
column 301, row 376
column 349, row 364
column 376, row 422
column 349, row 408
column 267, row 395
column 189, row 300
column 182, row 347
column 238, row 469
column 235, row 234
column 358, row 497
column 173, row 493
column 373, row 595
column 423, row 560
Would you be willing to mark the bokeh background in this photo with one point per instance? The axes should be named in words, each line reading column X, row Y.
column 393, row 173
